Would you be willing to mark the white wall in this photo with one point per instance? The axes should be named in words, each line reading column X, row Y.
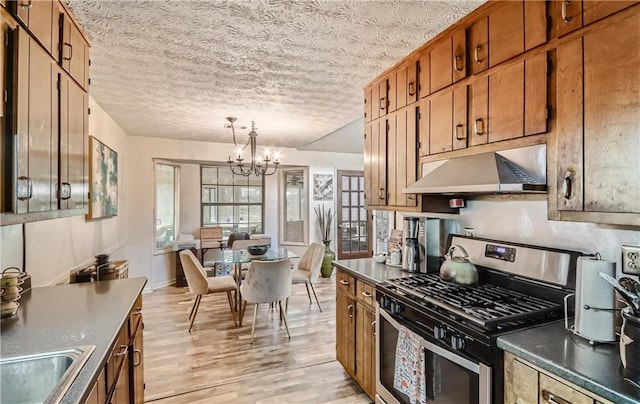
column 54, row 247
column 526, row 222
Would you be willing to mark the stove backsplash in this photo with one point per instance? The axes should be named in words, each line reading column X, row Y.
column 526, row 222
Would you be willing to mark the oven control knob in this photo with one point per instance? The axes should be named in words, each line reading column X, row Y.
column 457, row 342
column 385, row 302
column 396, row 308
column 439, row 332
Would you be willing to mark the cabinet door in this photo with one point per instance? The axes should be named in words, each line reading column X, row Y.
column 441, row 126
column 405, row 155
column 39, row 17
column 506, row 103
column 448, row 60
column 479, row 115
column 345, row 332
column 566, row 16
column 535, row 95
column 412, row 149
column 381, row 161
column 74, row 52
column 375, row 103
column 36, row 128
column 401, row 87
column 137, row 367
column 392, row 156
column 383, row 93
column 424, row 74
column 73, row 142
column 423, row 126
column 506, row 32
column 479, row 46
column 596, row 10
column 535, row 23
column 367, row 104
column 391, row 93
column 552, row 391
column 520, row 382
column 611, row 111
column 365, row 346
column 412, row 82
column 368, row 171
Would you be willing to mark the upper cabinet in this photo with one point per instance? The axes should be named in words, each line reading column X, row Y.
column 39, row 17
column 570, row 15
column 448, row 60
column 74, row 49
column 407, row 84
column 598, row 135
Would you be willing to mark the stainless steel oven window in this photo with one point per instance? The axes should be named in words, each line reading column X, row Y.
column 450, row 377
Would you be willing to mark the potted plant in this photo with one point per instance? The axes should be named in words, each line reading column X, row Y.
column 325, row 219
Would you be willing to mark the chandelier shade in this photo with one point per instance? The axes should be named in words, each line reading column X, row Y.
column 259, row 165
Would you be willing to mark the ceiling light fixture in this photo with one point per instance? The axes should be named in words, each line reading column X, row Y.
column 259, row 165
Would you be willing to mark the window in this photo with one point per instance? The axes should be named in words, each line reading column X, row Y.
column 295, row 209
column 166, row 209
column 231, row 201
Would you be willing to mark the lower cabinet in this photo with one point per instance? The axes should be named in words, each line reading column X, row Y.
column 526, row 384
column 355, row 330
column 122, row 379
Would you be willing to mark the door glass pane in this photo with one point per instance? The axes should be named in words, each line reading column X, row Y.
column 294, row 206
column 345, row 198
column 354, row 183
column 361, row 181
column 166, row 215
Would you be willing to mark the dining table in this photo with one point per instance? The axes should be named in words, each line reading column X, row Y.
column 238, row 257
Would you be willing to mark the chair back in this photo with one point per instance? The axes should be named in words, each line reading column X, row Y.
column 195, row 274
column 267, row 281
column 243, row 244
column 311, row 260
column 237, row 236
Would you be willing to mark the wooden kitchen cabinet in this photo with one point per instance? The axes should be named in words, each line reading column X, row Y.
column 73, row 49
column 98, row 392
column 448, row 60
column 525, row 383
column 570, row 15
column 355, row 329
column 448, row 123
column 367, row 104
column 375, row 163
column 596, row 145
column 404, row 152
column 406, row 84
column 506, row 32
column 424, row 75
column 40, row 19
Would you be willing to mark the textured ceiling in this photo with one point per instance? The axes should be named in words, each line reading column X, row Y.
column 176, row 69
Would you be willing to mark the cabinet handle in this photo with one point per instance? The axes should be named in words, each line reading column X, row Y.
column 366, row 294
column 411, row 197
column 29, row 188
column 68, row 45
column 137, row 311
column 567, row 185
column 478, row 127
column 64, row 192
column 343, row 282
column 456, row 59
column 552, row 398
column 373, row 328
column 411, row 88
column 459, row 133
column 123, row 350
column 383, row 104
column 27, row 5
column 565, row 17
column 381, row 193
column 476, row 54
column 139, row 352
column 350, row 310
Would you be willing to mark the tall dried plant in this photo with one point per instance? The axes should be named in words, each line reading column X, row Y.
column 324, row 219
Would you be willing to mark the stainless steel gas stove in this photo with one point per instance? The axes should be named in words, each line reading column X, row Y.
column 520, row 286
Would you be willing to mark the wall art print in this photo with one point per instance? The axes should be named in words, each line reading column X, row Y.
column 103, row 180
column 322, row 187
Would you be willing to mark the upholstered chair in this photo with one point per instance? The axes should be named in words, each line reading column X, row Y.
column 308, row 269
column 200, row 285
column 267, row 282
column 236, row 236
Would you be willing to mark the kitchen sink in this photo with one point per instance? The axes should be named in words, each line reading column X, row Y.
column 41, row 378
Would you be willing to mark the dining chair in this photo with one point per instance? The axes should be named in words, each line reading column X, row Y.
column 243, row 244
column 266, row 282
column 308, row 269
column 200, row 285
column 236, row 236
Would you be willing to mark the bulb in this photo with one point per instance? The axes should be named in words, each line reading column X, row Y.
column 266, row 154
column 276, row 157
column 239, row 152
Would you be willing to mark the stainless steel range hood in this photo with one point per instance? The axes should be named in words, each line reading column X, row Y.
column 509, row 171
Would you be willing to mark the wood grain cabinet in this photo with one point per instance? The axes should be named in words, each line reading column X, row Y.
column 367, row 103
column 355, row 329
column 406, row 84
column 402, row 152
column 73, row 51
column 598, row 103
column 448, row 60
column 570, row 15
column 375, row 163
column 39, row 17
column 447, row 120
column 526, row 384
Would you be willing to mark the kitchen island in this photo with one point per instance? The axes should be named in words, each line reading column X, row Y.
column 557, row 352
column 67, row 316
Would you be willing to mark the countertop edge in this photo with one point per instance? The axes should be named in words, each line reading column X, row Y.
column 565, row 373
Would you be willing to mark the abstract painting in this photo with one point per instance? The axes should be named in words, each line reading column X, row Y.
column 322, row 187
column 103, row 180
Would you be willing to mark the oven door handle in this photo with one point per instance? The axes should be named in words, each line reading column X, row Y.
column 451, row 356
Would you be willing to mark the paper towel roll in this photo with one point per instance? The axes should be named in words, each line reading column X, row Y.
column 597, row 322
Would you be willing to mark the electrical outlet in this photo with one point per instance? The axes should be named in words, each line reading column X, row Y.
column 631, row 260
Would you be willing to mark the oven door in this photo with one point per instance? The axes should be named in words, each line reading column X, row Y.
column 450, row 378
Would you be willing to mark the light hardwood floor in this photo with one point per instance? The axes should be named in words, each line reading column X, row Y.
column 215, row 363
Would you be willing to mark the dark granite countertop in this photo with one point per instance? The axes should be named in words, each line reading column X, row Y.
column 66, row 316
column 556, row 350
column 369, row 270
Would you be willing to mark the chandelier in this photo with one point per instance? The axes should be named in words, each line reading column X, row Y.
column 259, row 165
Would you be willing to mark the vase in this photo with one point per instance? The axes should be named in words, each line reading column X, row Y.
column 329, row 256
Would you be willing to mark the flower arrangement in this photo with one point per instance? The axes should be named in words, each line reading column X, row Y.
column 324, row 219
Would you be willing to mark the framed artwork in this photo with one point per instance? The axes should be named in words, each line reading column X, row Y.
column 322, row 187
column 103, row 180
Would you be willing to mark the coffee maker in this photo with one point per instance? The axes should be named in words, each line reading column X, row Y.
column 411, row 246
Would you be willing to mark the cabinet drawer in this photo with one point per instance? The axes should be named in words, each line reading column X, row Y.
column 552, row 391
column 345, row 283
column 366, row 294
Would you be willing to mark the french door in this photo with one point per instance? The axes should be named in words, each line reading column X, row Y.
column 353, row 219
